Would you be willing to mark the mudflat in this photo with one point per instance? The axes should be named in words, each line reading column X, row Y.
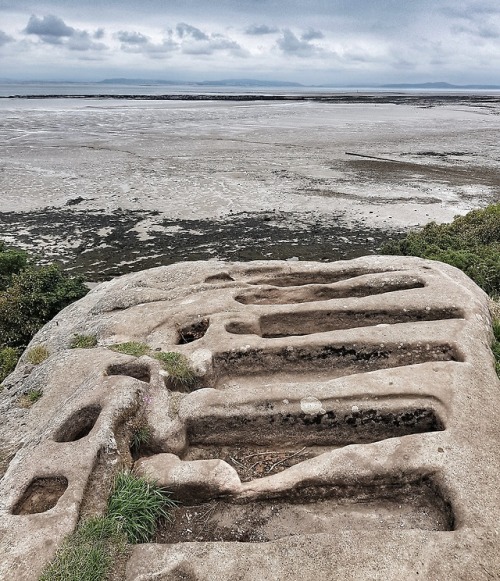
column 110, row 185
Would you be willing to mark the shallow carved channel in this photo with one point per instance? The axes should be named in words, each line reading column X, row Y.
column 331, row 427
column 313, row 293
column 417, row 504
column 285, row 279
column 305, row 323
column 324, row 361
column 41, row 495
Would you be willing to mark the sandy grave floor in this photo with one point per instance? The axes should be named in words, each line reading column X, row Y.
column 108, row 186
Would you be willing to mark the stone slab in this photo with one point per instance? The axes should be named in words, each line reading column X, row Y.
column 342, row 423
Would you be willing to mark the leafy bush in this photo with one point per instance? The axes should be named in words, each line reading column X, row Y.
column 30, row 296
column 12, row 261
column 470, row 242
column 8, row 361
column 35, row 295
column 136, row 505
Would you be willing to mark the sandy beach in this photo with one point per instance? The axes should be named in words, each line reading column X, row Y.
column 112, row 185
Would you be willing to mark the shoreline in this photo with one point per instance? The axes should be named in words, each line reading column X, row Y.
column 369, row 98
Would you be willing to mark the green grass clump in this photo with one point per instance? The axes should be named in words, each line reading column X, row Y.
column 83, row 341
column 133, row 348
column 37, row 354
column 30, row 397
column 140, row 437
column 470, row 242
column 178, row 368
column 34, row 395
column 8, row 361
column 136, row 504
column 88, row 554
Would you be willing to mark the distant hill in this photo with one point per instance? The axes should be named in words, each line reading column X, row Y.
column 221, row 83
column 439, row 85
column 248, row 83
column 124, row 81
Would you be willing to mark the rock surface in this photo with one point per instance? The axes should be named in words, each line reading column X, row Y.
column 341, row 423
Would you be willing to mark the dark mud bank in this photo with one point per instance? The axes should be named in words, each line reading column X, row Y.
column 100, row 245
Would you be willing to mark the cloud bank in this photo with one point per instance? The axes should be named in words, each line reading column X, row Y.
column 318, row 42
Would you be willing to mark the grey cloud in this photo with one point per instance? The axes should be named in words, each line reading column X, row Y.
column 290, row 44
column 403, row 64
column 312, row 34
column 53, row 30
column 131, row 37
column 82, row 41
column 260, row 29
column 136, row 42
column 470, row 11
column 212, row 45
column 481, row 31
column 186, row 30
column 98, row 34
column 48, row 26
column 194, row 41
column 5, row 38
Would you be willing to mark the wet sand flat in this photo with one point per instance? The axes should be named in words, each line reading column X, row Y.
column 113, row 185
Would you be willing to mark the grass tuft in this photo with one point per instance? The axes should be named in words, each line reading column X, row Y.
column 30, row 397
column 178, row 368
column 136, row 504
column 37, row 354
column 141, row 437
column 83, row 341
column 88, row 554
column 131, row 348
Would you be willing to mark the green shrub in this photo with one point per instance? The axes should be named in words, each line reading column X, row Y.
column 12, row 261
column 178, row 368
column 30, row 296
column 35, row 295
column 470, row 242
column 131, row 348
column 37, row 354
column 136, row 505
column 83, row 341
column 8, row 361
column 87, row 554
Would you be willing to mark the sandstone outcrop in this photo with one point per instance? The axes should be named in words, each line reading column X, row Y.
column 341, row 423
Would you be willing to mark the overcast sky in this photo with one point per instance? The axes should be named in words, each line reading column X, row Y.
column 309, row 41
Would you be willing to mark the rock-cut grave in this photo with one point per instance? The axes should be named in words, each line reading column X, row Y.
column 341, row 423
